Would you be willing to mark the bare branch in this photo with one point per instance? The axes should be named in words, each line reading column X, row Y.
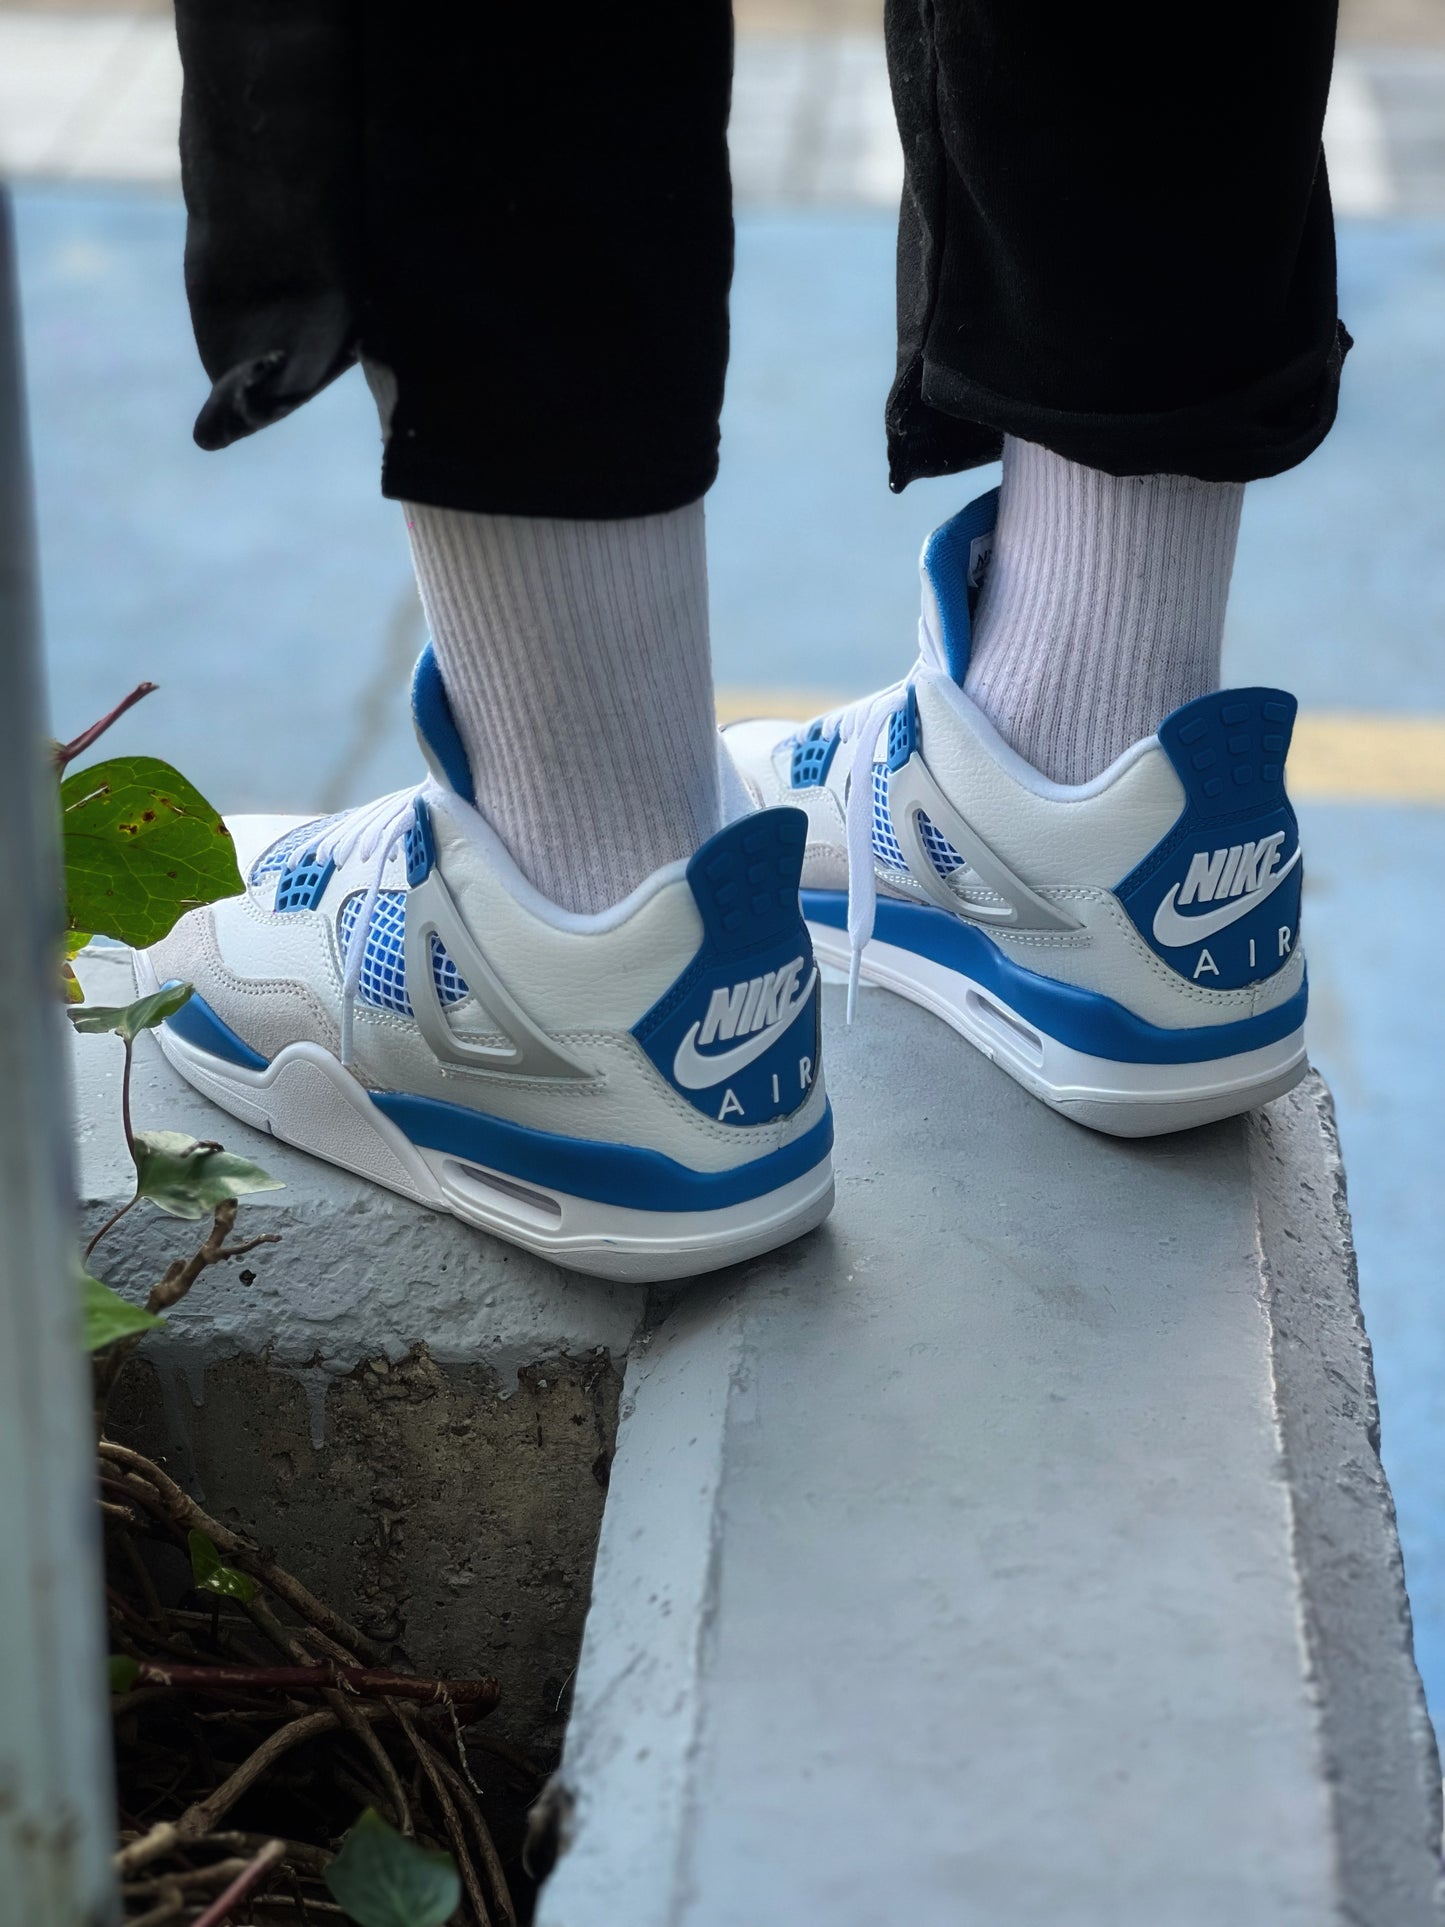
column 473, row 1696
column 220, row 1908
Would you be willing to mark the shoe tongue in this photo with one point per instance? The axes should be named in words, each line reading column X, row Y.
column 436, row 728
column 952, row 565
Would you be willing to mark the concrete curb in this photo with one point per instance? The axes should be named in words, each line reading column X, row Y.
column 1380, row 1758
column 1002, row 1603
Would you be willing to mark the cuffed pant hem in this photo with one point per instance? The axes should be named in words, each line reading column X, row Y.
column 940, row 423
column 491, row 486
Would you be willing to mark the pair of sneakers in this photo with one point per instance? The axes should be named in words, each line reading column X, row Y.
column 639, row 1094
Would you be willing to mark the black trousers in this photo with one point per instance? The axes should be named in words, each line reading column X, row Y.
column 1115, row 236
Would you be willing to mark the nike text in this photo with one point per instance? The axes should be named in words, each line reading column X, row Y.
column 750, row 1006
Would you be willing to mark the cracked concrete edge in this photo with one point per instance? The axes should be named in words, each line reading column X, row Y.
column 1380, row 1760
column 627, row 1785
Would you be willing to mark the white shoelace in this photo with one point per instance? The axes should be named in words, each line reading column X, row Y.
column 857, row 724
column 372, row 831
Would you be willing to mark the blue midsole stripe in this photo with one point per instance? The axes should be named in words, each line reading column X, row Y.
column 621, row 1174
column 198, row 1024
column 1085, row 1020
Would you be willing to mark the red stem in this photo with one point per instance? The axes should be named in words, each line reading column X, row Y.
column 270, row 1856
column 114, row 1219
column 67, row 752
column 125, row 1106
column 368, row 1682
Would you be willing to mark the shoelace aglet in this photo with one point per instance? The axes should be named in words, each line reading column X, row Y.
column 855, row 965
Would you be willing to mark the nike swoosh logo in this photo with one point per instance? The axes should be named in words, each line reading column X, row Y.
column 694, row 1072
column 1173, row 929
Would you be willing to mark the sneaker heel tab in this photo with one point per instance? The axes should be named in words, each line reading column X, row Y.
column 1229, row 749
column 953, row 564
column 745, row 880
column 436, row 728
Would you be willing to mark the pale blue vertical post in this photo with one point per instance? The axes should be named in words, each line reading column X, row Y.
column 56, row 1810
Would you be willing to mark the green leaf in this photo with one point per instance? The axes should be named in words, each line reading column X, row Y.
column 381, row 1879
column 75, row 942
column 129, row 1020
column 124, row 1672
column 141, row 848
column 210, row 1575
column 188, row 1179
column 107, row 1316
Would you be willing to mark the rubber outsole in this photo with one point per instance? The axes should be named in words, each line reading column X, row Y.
column 308, row 1099
column 1119, row 1099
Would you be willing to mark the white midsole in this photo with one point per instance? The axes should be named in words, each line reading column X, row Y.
column 307, row 1098
column 1124, row 1099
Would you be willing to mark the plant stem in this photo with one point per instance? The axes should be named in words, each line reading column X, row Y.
column 477, row 1696
column 111, row 1221
column 67, row 752
column 125, row 1105
column 220, row 1908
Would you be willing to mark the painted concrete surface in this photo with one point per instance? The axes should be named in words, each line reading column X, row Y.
column 231, row 579
column 269, row 593
column 998, row 1612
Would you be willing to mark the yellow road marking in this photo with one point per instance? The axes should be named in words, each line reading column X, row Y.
column 1337, row 756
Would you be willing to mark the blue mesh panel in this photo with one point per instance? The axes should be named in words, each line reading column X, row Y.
column 944, row 857
column 886, row 846
column 812, row 756
column 302, row 885
column 283, row 854
column 420, row 848
column 451, row 985
column 903, row 731
column 383, row 962
column 885, row 843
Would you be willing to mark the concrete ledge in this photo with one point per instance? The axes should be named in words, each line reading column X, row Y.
column 1376, row 1739
column 1015, row 1551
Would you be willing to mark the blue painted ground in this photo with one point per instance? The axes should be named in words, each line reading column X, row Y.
column 268, row 591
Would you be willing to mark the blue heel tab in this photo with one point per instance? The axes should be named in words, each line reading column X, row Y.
column 745, row 881
column 1218, row 898
column 1228, row 750
column 431, row 711
column 737, row 1035
column 953, row 564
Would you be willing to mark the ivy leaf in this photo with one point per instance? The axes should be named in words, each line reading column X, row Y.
column 142, row 847
column 210, row 1575
column 188, row 1179
column 107, row 1316
column 381, row 1879
column 129, row 1020
column 124, row 1672
column 75, row 942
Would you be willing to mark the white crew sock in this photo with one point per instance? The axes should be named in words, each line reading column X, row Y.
column 576, row 658
column 1102, row 609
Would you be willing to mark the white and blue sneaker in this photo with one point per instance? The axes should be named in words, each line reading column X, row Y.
column 636, row 1094
column 1128, row 950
